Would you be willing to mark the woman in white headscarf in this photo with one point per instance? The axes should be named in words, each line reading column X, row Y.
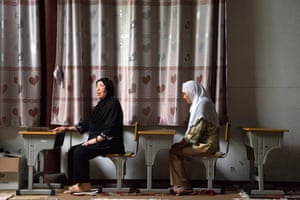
column 201, row 136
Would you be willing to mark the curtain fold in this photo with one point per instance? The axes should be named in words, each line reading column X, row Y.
column 20, row 64
column 148, row 48
column 48, row 55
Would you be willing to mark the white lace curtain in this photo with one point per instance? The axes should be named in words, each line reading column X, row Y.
column 20, row 65
column 148, row 48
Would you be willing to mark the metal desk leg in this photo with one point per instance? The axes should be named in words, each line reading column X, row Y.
column 149, row 177
column 260, row 170
column 30, row 190
column 264, row 144
column 149, row 159
column 34, row 147
column 152, row 144
column 30, row 177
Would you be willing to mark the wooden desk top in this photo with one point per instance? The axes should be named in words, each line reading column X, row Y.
column 38, row 132
column 157, row 132
column 266, row 130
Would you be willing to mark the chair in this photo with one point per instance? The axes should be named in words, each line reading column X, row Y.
column 210, row 163
column 119, row 160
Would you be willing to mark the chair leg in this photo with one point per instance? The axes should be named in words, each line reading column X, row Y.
column 119, row 163
column 210, row 171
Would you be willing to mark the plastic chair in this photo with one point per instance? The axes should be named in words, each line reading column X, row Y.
column 210, row 163
column 119, row 160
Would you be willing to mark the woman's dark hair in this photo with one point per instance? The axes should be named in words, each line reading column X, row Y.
column 108, row 85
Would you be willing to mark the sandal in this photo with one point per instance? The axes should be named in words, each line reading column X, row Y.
column 171, row 190
column 70, row 190
column 182, row 190
column 77, row 188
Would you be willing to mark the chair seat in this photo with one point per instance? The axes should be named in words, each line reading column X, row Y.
column 215, row 155
column 126, row 154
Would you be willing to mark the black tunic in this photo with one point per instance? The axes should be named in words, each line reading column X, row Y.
column 106, row 120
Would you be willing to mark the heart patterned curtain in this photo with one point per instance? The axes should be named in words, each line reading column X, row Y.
column 20, row 65
column 148, row 48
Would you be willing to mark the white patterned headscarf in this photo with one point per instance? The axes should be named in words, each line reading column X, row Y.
column 202, row 105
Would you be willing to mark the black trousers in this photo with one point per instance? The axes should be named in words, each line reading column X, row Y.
column 78, row 161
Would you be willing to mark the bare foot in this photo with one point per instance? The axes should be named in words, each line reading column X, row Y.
column 71, row 189
column 67, row 191
column 83, row 187
column 79, row 187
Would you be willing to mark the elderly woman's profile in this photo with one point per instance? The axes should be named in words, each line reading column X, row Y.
column 201, row 136
column 105, row 129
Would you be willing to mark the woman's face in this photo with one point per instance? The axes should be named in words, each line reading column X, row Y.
column 187, row 97
column 100, row 90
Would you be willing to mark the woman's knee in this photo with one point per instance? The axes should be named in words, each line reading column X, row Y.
column 80, row 152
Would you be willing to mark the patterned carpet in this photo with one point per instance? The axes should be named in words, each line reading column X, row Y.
column 230, row 192
column 287, row 196
column 121, row 195
column 6, row 195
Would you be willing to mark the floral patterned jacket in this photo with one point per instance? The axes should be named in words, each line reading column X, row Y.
column 204, row 135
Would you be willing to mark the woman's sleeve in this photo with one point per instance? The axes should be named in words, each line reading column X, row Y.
column 106, row 134
column 114, row 121
column 82, row 126
column 197, row 132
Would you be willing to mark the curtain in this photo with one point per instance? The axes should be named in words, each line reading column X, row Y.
column 20, row 64
column 48, row 30
column 147, row 47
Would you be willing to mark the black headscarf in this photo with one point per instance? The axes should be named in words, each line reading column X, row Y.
column 108, row 85
column 106, row 118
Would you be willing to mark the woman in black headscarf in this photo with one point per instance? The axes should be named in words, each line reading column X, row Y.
column 105, row 128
